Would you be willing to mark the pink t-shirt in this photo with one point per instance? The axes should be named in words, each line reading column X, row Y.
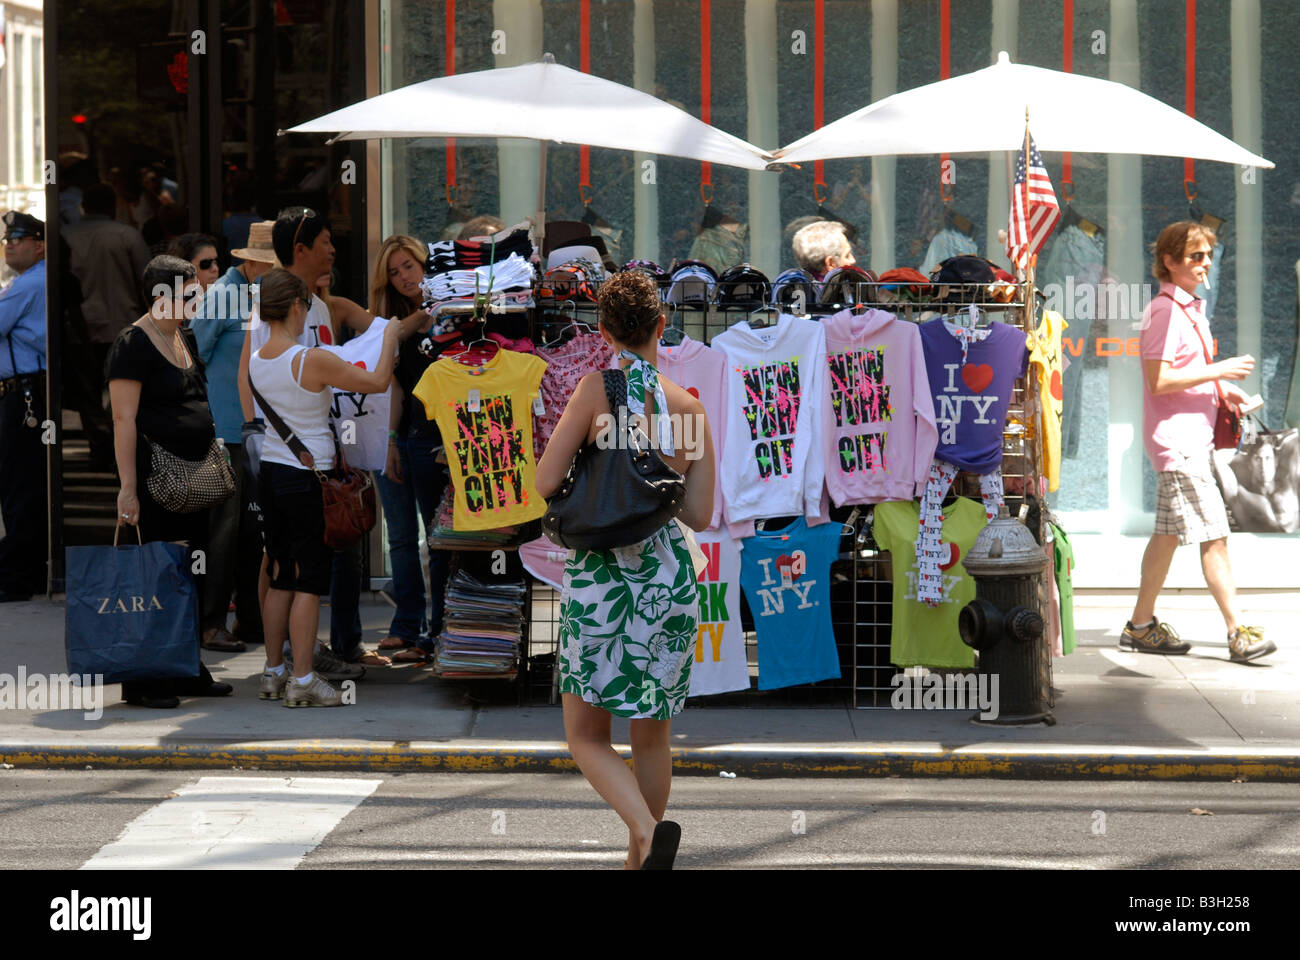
column 1177, row 425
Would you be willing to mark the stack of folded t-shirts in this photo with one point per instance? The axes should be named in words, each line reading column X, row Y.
column 482, row 628
column 512, row 274
column 455, row 271
column 455, row 255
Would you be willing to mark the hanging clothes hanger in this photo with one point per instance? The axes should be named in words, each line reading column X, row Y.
column 673, row 332
column 762, row 318
column 760, row 526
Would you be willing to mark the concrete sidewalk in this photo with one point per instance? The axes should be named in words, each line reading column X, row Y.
column 1119, row 715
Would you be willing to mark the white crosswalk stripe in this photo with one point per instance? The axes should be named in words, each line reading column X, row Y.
column 235, row 823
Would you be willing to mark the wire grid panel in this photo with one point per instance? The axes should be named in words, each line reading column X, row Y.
column 861, row 577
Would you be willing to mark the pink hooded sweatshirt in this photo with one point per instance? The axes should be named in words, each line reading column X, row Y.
column 878, row 428
column 701, row 371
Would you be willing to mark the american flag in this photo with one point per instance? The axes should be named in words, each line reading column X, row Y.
column 1034, row 211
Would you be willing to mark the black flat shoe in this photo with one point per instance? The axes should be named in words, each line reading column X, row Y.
column 216, row 689
column 158, row 703
column 663, row 846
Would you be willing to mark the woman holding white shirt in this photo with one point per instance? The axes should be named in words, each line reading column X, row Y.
column 296, row 381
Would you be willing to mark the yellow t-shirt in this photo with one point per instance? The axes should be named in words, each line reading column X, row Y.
column 1045, row 355
column 485, row 415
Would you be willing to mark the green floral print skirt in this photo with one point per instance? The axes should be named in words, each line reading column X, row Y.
column 628, row 625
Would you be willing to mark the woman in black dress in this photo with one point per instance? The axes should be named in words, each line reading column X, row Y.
column 157, row 392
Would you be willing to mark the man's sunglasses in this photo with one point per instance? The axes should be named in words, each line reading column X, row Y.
column 1200, row 255
column 307, row 214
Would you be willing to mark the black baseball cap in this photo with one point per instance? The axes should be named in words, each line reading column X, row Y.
column 19, row 225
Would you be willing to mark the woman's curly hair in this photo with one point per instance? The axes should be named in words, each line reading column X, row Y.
column 629, row 307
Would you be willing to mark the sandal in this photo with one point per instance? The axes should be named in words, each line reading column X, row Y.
column 369, row 658
column 391, row 642
column 412, row 654
column 222, row 639
column 663, row 846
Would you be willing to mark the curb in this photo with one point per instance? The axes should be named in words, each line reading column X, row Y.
column 776, row 760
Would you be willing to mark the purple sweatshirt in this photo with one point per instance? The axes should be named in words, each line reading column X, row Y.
column 971, row 396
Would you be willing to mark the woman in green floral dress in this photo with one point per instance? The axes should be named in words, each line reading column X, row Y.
column 628, row 620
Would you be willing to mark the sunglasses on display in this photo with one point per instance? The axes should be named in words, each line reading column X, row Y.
column 307, row 214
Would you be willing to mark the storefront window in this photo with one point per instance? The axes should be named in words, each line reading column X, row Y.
column 763, row 62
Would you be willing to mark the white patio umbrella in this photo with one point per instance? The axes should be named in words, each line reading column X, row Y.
column 985, row 110
column 538, row 101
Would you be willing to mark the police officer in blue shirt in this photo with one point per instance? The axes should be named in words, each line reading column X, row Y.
column 23, row 483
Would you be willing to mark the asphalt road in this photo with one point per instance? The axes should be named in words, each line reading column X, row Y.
column 61, row 819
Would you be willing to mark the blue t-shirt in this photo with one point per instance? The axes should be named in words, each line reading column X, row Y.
column 219, row 330
column 22, row 323
column 971, row 396
column 786, row 578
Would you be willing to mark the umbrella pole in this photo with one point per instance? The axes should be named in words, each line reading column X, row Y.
column 539, row 226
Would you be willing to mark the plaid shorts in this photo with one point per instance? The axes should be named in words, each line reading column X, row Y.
column 1189, row 505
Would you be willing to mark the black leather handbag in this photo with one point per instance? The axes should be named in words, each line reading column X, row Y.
column 618, row 496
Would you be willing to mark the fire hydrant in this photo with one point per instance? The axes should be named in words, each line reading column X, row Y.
column 1004, row 623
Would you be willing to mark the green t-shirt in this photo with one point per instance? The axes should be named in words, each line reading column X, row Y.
column 923, row 635
column 1064, row 556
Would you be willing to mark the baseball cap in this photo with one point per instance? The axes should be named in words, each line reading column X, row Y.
column 19, row 225
column 786, row 287
column 743, row 287
column 693, row 281
column 840, row 286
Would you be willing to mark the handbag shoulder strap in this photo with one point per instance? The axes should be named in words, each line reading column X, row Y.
column 288, row 436
column 1205, row 348
column 615, row 389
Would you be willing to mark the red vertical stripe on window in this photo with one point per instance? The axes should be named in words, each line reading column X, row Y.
column 1067, row 64
column 450, row 38
column 1189, row 85
column 584, row 64
column 945, row 23
column 819, row 84
column 706, row 82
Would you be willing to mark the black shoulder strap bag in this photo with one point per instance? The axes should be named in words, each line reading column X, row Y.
column 618, row 496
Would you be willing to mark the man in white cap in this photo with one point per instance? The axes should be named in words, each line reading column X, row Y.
column 234, row 535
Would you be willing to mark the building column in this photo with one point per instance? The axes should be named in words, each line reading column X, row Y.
column 645, row 196
column 1127, row 262
column 517, row 160
column 1247, row 130
column 1006, row 30
column 763, row 130
column 884, row 82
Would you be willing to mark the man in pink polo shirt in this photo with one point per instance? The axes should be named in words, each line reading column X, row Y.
column 1178, row 415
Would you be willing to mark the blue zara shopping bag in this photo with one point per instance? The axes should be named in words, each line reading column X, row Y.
column 132, row 611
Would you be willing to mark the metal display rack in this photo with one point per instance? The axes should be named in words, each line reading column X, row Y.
column 861, row 576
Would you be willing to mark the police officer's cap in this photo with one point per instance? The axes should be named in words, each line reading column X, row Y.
column 19, row 225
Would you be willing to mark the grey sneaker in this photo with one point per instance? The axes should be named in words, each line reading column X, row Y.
column 317, row 693
column 1248, row 643
column 272, row 687
column 1156, row 638
column 327, row 665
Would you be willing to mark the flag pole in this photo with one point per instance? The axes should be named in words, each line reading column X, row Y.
column 1033, row 399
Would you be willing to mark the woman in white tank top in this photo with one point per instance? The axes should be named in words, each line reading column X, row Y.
column 295, row 382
